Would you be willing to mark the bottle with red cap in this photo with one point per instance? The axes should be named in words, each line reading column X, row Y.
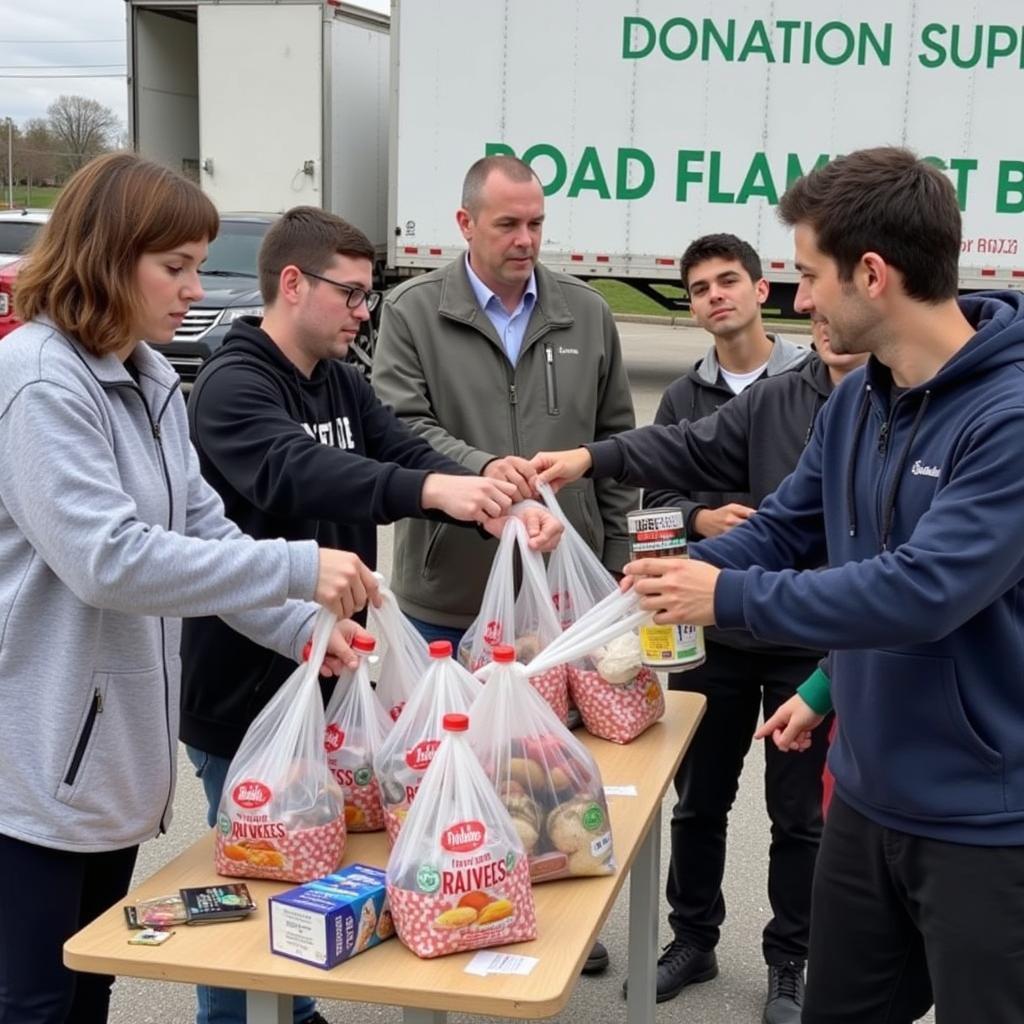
column 410, row 747
column 356, row 727
column 458, row 876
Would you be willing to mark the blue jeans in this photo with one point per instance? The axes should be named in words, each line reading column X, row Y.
column 226, row 1005
column 429, row 632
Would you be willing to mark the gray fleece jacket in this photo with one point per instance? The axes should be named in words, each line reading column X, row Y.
column 108, row 536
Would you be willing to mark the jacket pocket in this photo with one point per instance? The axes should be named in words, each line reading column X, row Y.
column 584, row 516
column 550, row 379
column 117, row 770
column 905, row 742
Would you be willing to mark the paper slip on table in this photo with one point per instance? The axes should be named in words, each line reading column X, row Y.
column 570, row 914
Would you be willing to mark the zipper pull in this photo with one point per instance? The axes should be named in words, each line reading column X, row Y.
column 513, row 398
column 549, row 354
column 156, row 431
column 883, row 439
column 99, row 701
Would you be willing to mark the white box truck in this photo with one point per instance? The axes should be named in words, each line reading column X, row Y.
column 652, row 122
column 267, row 104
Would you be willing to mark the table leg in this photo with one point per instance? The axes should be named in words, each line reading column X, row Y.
column 415, row 1015
column 268, row 1008
column 644, row 882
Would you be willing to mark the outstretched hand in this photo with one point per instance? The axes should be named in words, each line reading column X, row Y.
column 791, row 726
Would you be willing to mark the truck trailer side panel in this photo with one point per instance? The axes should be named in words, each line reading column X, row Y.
column 654, row 122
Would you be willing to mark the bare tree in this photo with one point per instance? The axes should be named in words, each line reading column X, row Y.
column 82, row 127
column 38, row 155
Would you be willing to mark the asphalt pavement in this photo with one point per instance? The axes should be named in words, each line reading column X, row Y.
column 655, row 355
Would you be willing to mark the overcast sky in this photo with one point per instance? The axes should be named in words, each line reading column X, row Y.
column 46, row 37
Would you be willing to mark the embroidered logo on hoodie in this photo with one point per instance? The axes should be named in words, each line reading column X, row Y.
column 920, row 469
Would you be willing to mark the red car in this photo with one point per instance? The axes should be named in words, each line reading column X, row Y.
column 8, row 321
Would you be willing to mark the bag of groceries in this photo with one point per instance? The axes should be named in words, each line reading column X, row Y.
column 356, row 728
column 458, row 876
column 526, row 620
column 545, row 777
column 281, row 814
column 409, row 748
column 404, row 660
column 617, row 695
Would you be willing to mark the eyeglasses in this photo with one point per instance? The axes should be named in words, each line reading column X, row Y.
column 356, row 296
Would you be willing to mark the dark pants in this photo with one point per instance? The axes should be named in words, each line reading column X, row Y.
column 897, row 917
column 738, row 684
column 45, row 897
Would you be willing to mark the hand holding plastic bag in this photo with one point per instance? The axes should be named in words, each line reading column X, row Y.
column 528, row 620
column 618, row 697
column 356, row 729
column 545, row 777
column 281, row 814
column 458, row 877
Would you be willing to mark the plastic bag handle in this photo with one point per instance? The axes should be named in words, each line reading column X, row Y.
column 323, row 626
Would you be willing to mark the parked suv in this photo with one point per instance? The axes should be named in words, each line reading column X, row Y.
column 232, row 288
column 17, row 230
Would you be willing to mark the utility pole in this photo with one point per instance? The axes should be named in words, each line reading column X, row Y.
column 10, row 165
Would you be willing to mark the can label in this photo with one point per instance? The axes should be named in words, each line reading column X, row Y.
column 661, row 533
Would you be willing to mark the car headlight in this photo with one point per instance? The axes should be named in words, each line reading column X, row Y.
column 230, row 315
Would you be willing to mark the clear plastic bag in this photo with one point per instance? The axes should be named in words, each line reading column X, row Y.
column 281, row 814
column 526, row 620
column 617, row 696
column 546, row 778
column 356, row 729
column 404, row 659
column 409, row 748
column 458, row 877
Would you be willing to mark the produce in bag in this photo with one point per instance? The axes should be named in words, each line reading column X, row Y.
column 409, row 748
column 356, row 728
column 404, row 660
column 281, row 814
column 618, row 697
column 458, row 877
column 527, row 621
column 544, row 776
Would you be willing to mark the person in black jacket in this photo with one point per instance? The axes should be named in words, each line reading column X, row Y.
column 298, row 446
column 748, row 446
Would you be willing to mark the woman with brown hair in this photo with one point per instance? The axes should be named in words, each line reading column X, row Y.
column 108, row 536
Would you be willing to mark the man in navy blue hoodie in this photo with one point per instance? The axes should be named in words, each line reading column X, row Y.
column 298, row 446
column 910, row 492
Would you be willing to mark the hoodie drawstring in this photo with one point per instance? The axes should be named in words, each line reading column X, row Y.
column 851, row 468
column 889, row 508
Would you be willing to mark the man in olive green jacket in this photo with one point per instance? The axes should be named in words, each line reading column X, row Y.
column 491, row 359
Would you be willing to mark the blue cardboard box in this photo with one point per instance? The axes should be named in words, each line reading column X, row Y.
column 333, row 918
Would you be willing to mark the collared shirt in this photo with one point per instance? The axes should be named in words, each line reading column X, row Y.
column 511, row 327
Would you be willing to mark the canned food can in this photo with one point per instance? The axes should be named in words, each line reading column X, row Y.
column 661, row 533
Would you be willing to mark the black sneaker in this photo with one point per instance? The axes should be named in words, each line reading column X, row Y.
column 785, row 993
column 679, row 965
column 597, row 960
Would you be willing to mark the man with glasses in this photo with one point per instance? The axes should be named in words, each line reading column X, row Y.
column 299, row 447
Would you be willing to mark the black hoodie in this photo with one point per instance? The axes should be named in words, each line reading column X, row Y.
column 301, row 459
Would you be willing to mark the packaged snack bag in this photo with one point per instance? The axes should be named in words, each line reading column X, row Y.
column 404, row 660
column 282, row 815
column 458, row 877
column 409, row 748
column 526, row 620
column 617, row 696
column 544, row 776
column 356, row 728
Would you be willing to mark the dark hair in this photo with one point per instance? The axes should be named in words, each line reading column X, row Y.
column 307, row 237
column 887, row 201
column 476, row 177
column 724, row 247
column 81, row 267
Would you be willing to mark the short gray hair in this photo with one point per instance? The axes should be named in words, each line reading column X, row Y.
column 476, row 177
